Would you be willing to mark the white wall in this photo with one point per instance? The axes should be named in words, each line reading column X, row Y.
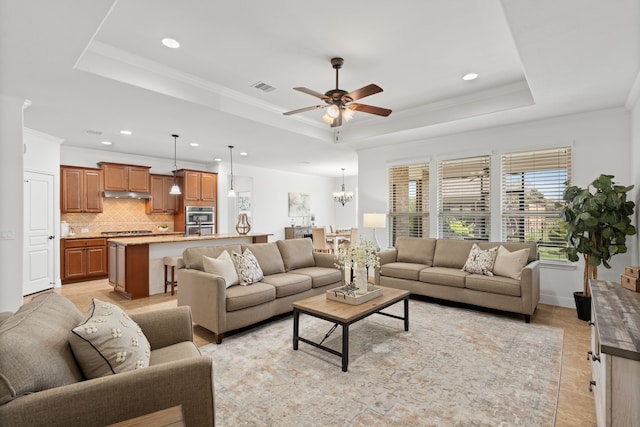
column 601, row 144
column 635, row 168
column 42, row 155
column 271, row 198
column 11, row 194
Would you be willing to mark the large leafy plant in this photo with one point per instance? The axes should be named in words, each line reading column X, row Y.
column 598, row 221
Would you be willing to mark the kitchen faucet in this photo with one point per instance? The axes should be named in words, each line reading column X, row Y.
column 199, row 223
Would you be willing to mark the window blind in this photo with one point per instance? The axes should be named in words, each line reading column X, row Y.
column 464, row 198
column 408, row 201
column 532, row 186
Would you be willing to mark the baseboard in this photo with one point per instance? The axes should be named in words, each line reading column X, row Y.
column 559, row 301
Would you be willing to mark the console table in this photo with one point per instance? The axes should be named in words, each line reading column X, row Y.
column 297, row 232
column 615, row 353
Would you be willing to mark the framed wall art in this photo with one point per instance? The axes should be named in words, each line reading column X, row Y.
column 299, row 204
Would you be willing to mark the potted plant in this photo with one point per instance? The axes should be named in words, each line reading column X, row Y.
column 359, row 259
column 598, row 221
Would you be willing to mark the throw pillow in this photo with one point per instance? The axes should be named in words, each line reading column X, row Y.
column 108, row 342
column 247, row 266
column 510, row 264
column 222, row 266
column 479, row 261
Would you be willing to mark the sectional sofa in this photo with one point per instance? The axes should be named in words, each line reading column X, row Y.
column 434, row 268
column 291, row 271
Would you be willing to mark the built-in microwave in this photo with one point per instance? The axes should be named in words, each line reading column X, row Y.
column 200, row 215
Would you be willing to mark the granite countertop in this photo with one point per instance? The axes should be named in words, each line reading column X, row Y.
column 618, row 319
column 105, row 236
column 178, row 237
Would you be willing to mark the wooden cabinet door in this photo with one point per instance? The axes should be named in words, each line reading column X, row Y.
column 74, row 263
column 171, row 200
column 209, row 187
column 138, row 179
column 92, row 192
column 71, row 191
column 157, row 202
column 115, row 177
column 96, row 261
column 191, row 189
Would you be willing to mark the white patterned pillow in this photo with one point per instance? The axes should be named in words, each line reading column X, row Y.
column 479, row 261
column 247, row 266
column 108, row 342
column 222, row 266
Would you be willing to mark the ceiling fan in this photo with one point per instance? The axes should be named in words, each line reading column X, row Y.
column 340, row 102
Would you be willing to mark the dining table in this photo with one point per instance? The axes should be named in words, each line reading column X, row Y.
column 335, row 238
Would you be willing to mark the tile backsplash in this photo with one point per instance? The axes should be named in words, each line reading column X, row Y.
column 118, row 215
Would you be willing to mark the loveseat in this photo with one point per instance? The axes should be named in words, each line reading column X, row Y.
column 434, row 268
column 291, row 271
column 42, row 383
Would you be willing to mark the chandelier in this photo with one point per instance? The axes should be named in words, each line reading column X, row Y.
column 342, row 197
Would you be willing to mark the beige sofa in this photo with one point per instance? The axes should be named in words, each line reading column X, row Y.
column 42, row 384
column 433, row 268
column 292, row 271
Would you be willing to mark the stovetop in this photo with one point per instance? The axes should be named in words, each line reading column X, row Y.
column 126, row 232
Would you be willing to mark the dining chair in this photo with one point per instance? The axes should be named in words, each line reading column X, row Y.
column 353, row 239
column 319, row 238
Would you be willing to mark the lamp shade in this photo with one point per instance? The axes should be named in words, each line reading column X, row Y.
column 374, row 220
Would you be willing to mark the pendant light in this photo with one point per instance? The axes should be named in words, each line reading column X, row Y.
column 175, row 190
column 232, row 193
column 342, row 197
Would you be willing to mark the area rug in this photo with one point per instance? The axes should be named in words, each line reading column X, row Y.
column 455, row 367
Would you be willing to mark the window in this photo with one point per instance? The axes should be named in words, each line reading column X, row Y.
column 532, row 184
column 464, row 208
column 408, row 201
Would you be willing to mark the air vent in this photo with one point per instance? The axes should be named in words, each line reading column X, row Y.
column 263, row 87
column 93, row 132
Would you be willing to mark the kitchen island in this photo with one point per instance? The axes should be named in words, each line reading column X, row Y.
column 136, row 267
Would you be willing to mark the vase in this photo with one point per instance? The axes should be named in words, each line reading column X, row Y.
column 361, row 280
column 243, row 226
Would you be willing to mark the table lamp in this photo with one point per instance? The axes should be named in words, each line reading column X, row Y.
column 374, row 220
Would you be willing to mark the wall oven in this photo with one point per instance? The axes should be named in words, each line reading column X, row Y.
column 200, row 220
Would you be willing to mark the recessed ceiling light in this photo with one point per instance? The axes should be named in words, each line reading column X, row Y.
column 244, row 153
column 125, row 132
column 106, row 143
column 217, row 159
column 193, row 144
column 171, row 43
column 469, row 76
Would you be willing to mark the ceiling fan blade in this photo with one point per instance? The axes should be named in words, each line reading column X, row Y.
column 312, row 92
column 302, row 110
column 364, row 91
column 370, row 109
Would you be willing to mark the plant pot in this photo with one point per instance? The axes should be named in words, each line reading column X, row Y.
column 583, row 306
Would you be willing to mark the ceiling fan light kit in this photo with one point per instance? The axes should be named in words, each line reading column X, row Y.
column 340, row 102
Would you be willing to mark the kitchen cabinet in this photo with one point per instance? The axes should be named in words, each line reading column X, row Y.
column 83, row 259
column 161, row 201
column 615, row 354
column 128, row 269
column 120, row 177
column 199, row 187
column 81, row 190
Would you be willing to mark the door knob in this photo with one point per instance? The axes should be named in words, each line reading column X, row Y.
column 52, row 237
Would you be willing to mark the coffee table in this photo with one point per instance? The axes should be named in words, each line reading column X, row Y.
column 344, row 314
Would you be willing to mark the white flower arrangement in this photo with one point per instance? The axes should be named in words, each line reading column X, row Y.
column 361, row 255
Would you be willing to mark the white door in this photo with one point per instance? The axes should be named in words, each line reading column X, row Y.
column 39, row 237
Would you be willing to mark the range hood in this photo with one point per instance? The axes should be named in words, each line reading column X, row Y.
column 126, row 195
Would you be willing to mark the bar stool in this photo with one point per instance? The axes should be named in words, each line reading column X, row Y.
column 170, row 261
